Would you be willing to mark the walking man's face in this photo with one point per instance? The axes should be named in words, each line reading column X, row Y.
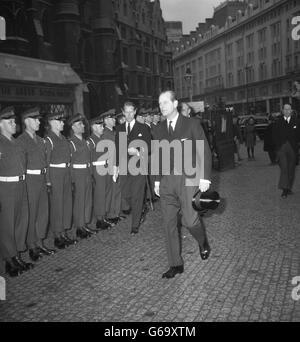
column 287, row 110
column 129, row 113
column 167, row 105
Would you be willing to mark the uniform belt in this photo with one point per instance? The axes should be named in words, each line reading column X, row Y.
column 81, row 166
column 60, row 166
column 12, row 179
column 100, row 163
column 36, row 172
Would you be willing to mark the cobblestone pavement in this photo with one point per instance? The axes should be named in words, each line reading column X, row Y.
column 117, row 277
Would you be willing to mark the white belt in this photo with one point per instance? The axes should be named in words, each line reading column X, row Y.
column 36, row 172
column 12, row 179
column 100, row 163
column 80, row 166
column 60, row 166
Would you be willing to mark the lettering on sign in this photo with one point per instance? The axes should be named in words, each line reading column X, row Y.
column 296, row 29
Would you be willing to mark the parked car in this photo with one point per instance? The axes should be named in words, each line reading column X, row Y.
column 261, row 123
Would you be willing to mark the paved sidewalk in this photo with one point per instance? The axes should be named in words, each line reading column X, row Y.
column 117, row 277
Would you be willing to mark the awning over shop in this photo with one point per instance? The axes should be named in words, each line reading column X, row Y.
column 24, row 69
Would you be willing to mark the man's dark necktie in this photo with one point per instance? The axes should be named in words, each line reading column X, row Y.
column 128, row 128
column 171, row 130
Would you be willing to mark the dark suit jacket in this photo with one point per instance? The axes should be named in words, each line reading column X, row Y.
column 138, row 132
column 283, row 132
column 186, row 129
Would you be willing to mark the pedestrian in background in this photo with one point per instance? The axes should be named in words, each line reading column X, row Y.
column 238, row 138
column 269, row 145
column 250, row 137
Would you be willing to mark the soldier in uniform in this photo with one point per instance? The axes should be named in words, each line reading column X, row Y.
column 113, row 198
column 34, row 151
column 81, row 173
column 13, row 197
column 100, row 189
column 59, row 181
column 120, row 118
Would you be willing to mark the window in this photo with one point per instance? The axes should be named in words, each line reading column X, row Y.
column 125, row 55
column 139, row 57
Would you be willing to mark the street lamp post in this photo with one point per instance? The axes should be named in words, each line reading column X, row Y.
column 247, row 92
column 188, row 78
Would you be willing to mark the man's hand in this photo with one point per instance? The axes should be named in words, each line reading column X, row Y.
column 132, row 151
column 116, row 174
column 204, row 185
column 156, row 188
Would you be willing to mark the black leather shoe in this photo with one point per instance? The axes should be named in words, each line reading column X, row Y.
column 46, row 251
column 172, row 271
column 60, row 243
column 103, row 225
column 68, row 241
column 113, row 221
column 18, row 262
column 290, row 192
column 89, row 230
column 134, row 230
column 12, row 270
column 35, row 254
column 82, row 234
column 204, row 252
column 284, row 193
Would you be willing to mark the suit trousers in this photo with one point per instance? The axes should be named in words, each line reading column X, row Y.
column 38, row 209
column 13, row 219
column 82, row 197
column 176, row 198
column 287, row 163
column 60, row 201
column 133, row 193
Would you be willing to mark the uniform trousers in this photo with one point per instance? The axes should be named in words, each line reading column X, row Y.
column 82, row 198
column 60, row 201
column 176, row 198
column 38, row 209
column 13, row 219
column 102, row 195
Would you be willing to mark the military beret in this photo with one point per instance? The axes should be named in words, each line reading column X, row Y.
column 7, row 113
column 75, row 118
column 96, row 121
column 33, row 113
column 56, row 116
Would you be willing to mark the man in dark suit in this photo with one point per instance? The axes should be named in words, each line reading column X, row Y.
column 132, row 186
column 286, row 135
column 177, row 188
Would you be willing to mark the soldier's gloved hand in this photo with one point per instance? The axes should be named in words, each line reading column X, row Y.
column 116, row 174
column 73, row 187
column 156, row 189
column 49, row 188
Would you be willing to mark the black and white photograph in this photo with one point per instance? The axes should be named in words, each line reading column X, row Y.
column 149, row 163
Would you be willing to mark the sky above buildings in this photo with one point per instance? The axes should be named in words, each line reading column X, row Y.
column 190, row 12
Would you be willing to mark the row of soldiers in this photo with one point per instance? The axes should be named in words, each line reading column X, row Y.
column 51, row 185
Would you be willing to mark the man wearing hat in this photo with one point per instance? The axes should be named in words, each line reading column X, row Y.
column 99, row 191
column 120, row 118
column 113, row 193
column 132, row 186
column 81, row 173
column 177, row 188
column 13, row 197
column 34, row 151
column 59, row 181
column 155, row 118
column 140, row 116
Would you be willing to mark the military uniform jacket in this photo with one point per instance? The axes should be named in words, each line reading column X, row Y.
column 93, row 141
column 80, row 152
column 12, row 161
column 34, row 151
column 57, row 150
column 109, row 134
